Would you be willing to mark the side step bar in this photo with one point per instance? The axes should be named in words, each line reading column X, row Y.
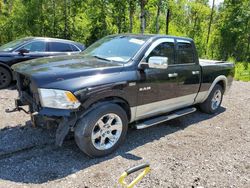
column 157, row 120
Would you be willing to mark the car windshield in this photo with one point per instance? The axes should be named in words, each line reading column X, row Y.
column 116, row 48
column 12, row 45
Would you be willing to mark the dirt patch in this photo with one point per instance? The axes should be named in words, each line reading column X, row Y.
column 192, row 151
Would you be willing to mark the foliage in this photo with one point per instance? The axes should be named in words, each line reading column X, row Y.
column 242, row 71
column 87, row 21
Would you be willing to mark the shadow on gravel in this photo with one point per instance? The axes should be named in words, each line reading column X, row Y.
column 28, row 155
column 12, row 86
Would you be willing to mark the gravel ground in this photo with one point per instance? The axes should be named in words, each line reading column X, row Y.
column 197, row 150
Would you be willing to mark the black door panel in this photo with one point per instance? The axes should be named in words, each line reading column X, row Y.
column 161, row 86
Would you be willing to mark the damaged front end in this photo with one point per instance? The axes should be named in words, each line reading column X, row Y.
column 41, row 116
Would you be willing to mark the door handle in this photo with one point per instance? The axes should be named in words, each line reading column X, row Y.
column 172, row 75
column 195, row 72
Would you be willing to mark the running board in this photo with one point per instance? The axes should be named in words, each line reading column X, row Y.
column 157, row 120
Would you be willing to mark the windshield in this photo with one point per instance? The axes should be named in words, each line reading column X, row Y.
column 116, row 48
column 12, row 45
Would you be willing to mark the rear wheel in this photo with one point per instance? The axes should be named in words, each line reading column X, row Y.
column 5, row 78
column 102, row 130
column 212, row 104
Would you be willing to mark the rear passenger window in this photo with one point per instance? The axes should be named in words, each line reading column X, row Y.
column 165, row 49
column 59, row 47
column 185, row 53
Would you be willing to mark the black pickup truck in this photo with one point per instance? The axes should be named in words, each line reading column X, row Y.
column 120, row 79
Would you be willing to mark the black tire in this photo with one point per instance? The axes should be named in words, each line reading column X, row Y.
column 5, row 77
column 88, row 123
column 207, row 105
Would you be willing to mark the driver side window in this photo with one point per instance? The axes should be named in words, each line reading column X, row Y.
column 165, row 49
column 38, row 46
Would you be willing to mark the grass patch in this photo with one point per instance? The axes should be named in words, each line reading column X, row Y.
column 242, row 71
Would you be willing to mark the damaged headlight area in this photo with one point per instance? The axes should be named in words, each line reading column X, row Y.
column 60, row 99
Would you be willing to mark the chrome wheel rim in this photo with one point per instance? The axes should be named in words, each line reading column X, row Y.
column 106, row 131
column 216, row 100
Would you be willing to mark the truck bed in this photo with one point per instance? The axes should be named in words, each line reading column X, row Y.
column 211, row 69
column 206, row 62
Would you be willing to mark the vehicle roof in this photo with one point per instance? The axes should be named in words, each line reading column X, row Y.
column 50, row 39
column 152, row 36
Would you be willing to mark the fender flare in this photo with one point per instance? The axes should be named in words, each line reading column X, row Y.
column 116, row 96
column 204, row 95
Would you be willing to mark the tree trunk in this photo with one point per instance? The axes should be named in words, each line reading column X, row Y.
column 42, row 18
column 209, row 26
column 10, row 7
column 69, row 16
column 142, row 17
column 247, row 54
column 195, row 24
column 65, row 20
column 159, row 4
column 167, row 20
column 1, row 7
column 131, row 15
column 54, row 17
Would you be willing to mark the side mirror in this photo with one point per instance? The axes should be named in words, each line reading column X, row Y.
column 23, row 51
column 158, row 62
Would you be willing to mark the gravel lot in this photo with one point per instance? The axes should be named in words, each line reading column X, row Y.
column 197, row 150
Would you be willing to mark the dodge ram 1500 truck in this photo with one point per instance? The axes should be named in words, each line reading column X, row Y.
column 120, row 79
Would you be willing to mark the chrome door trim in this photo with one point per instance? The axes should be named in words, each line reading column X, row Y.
column 183, row 41
column 195, row 72
column 154, row 44
column 172, row 75
column 160, row 107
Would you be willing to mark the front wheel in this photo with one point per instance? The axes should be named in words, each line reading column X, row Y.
column 212, row 104
column 102, row 130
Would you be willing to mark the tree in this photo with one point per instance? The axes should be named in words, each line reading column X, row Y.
column 159, row 5
column 132, row 9
column 167, row 20
column 218, row 31
column 209, row 25
column 143, row 14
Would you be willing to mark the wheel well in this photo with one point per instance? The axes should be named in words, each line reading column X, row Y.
column 117, row 100
column 7, row 68
column 222, row 84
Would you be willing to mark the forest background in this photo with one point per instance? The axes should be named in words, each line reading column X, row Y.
column 220, row 29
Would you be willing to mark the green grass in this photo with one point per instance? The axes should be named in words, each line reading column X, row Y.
column 242, row 71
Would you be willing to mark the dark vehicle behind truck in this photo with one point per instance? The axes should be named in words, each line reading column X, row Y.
column 31, row 48
column 120, row 79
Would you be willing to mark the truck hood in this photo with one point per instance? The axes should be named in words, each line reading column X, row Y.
column 62, row 65
column 47, row 71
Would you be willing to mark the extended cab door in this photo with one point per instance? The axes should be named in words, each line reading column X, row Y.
column 187, row 71
column 165, row 90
